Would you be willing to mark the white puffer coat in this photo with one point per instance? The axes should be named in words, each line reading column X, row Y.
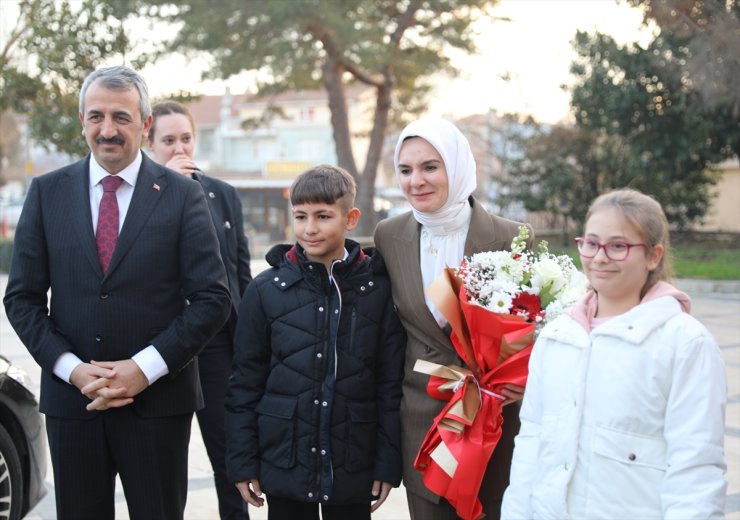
column 626, row 421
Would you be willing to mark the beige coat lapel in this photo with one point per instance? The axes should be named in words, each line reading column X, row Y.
column 481, row 233
column 403, row 252
column 491, row 233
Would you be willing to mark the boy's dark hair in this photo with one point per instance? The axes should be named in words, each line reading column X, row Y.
column 325, row 184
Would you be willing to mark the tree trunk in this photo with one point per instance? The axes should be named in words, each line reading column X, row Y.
column 334, row 84
column 366, row 185
column 339, row 119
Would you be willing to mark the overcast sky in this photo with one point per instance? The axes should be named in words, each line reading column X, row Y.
column 533, row 51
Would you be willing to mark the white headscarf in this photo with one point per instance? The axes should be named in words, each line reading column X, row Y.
column 443, row 231
column 459, row 162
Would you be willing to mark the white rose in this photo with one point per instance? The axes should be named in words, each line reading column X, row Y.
column 547, row 273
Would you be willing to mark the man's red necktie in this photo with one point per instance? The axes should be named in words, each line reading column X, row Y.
column 107, row 233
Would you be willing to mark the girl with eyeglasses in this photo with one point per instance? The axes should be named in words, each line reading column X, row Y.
column 623, row 414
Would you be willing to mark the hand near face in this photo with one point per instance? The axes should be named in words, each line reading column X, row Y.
column 172, row 142
column 182, row 163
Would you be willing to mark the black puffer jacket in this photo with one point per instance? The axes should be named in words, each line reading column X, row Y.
column 312, row 410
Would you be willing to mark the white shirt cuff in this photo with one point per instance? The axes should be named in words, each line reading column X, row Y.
column 151, row 363
column 64, row 366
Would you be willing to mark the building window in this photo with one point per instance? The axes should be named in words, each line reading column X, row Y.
column 307, row 115
column 204, row 144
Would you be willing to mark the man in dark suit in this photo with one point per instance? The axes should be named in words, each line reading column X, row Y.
column 126, row 317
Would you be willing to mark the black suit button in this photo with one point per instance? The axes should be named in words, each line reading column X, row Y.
column 98, row 338
column 104, row 296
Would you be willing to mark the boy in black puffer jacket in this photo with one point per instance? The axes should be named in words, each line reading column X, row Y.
column 312, row 411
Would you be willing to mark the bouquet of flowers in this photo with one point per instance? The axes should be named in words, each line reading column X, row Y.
column 495, row 302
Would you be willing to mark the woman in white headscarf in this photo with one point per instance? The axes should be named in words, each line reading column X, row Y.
column 435, row 169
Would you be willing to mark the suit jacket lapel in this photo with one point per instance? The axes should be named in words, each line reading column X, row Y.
column 214, row 205
column 78, row 195
column 408, row 258
column 406, row 251
column 150, row 185
column 481, row 233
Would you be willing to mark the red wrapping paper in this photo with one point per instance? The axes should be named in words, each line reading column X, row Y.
column 455, row 452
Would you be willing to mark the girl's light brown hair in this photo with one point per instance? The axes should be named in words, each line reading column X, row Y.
column 647, row 216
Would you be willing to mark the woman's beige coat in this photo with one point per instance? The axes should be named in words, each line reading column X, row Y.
column 397, row 238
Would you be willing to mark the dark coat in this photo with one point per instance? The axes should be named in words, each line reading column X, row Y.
column 312, row 410
column 226, row 213
column 165, row 255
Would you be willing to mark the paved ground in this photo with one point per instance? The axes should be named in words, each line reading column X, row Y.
column 716, row 305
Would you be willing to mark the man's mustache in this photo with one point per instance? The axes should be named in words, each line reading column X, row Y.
column 116, row 139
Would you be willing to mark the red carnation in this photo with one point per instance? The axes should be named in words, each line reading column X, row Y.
column 527, row 304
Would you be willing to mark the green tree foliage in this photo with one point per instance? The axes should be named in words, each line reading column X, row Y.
column 561, row 169
column 10, row 143
column 710, row 30
column 391, row 46
column 645, row 97
column 654, row 118
column 45, row 57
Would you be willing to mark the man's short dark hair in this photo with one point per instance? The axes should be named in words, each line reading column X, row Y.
column 325, row 184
